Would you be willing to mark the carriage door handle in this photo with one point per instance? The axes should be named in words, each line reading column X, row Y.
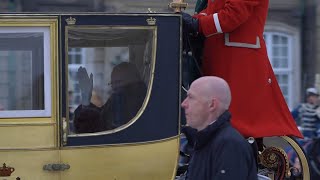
column 56, row 167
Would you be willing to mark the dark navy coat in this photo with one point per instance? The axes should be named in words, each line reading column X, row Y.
column 221, row 153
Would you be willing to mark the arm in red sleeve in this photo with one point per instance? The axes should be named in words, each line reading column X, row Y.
column 201, row 14
column 231, row 16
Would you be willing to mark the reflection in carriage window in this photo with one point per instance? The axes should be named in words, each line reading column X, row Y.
column 22, row 86
column 108, row 85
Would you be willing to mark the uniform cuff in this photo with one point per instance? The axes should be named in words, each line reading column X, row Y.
column 210, row 25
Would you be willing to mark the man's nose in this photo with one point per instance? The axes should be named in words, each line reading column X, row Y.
column 184, row 103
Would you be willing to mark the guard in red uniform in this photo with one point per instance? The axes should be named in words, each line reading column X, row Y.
column 234, row 49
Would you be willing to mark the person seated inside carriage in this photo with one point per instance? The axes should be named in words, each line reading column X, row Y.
column 128, row 93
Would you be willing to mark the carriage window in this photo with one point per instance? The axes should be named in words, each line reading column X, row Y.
column 109, row 73
column 24, row 88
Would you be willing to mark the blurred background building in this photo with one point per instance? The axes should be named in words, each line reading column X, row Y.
column 292, row 33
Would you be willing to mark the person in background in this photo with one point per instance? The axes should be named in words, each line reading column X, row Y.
column 307, row 115
column 220, row 151
column 234, row 49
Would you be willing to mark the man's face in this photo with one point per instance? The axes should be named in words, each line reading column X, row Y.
column 196, row 109
column 118, row 80
column 313, row 99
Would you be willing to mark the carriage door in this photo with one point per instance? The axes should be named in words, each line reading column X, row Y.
column 28, row 96
column 119, row 113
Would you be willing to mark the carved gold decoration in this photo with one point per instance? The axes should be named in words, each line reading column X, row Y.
column 178, row 5
column 273, row 158
column 6, row 171
column 71, row 21
column 151, row 21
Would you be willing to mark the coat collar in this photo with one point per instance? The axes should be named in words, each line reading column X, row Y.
column 205, row 135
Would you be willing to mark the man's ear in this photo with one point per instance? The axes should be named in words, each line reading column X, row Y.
column 213, row 104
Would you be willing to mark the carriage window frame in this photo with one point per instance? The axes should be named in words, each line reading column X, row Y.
column 153, row 29
column 47, row 26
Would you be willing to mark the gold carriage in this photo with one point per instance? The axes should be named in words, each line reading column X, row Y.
column 40, row 136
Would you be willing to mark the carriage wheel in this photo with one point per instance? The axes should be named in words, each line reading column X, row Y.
column 302, row 157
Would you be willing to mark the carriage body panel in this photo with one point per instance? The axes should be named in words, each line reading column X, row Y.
column 40, row 55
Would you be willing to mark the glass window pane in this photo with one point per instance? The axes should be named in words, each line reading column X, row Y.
column 275, row 39
column 77, row 59
column 22, row 82
column 75, row 55
column 284, row 89
column 283, row 80
column 284, row 51
column 275, row 51
column 275, row 62
column 284, row 40
column 119, row 63
column 284, row 63
column 70, row 59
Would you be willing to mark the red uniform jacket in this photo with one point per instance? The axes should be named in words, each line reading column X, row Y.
column 234, row 49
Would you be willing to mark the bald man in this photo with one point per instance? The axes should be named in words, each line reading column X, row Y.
column 220, row 152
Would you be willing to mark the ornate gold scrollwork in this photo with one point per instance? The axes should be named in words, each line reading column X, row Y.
column 273, row 158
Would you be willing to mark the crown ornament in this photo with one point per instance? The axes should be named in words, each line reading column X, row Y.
column 6, row 171
column 71, row 21
column 151, row 21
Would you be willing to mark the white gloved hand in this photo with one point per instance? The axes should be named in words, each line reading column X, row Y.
column 85, row 85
